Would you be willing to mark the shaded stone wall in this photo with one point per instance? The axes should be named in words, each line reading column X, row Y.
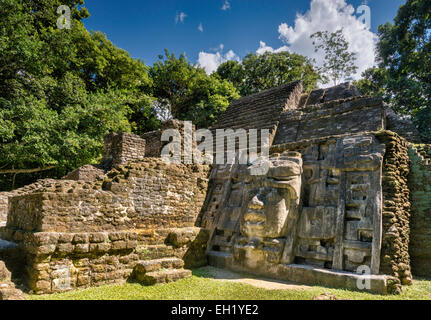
column 395, row 259
column 57, row 261
column 7, row 287
column 125, row 147
column 122, row 148
column 90, row 233
column 153, row 142
column 4, row 203
column 340, row 92
column 402, row 125
column 420, row 186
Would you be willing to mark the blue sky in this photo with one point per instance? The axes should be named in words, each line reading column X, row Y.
column 146, row 28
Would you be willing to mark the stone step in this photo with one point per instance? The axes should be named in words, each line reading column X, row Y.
column 149, row 272
column 9, row 292
column 425, row 160
column 164, row 276
column 146, row 266
column 219, row 259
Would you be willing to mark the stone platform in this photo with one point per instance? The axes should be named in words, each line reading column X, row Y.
column 308, row 275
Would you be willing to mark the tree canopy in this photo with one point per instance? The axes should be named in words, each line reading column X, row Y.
column 188, row 93
column 258, row 72
column 339, row 62
column 403, row 74
column 62, row 90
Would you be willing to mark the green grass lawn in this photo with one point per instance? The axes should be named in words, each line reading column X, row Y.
column 202, row 287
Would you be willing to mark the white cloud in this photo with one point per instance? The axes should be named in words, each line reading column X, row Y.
column 226, row 5
column 201, row 27
column 330, row 15
column 264, row 48
column 230, row 55
column 211, row 61
column 180, row 17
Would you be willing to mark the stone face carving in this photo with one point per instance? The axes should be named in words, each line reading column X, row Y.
column 320, row 206
column 269, row 210
column 273, row 198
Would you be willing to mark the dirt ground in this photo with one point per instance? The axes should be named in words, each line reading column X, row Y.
column 264, row 283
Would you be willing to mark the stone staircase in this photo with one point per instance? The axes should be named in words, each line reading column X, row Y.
column 257, row 111
column 163, row 270
column 423, row 152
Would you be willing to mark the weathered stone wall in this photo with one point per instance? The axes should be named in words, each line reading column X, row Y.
column 261, row 110
column 395, row 259
column 342, row 91
column 347, row 184
column 4, row 204
column 124, row 147
column 150, row 193
column 91, row 233
column 88, row 172
column 57, row 261
column 337, row 117
column 403, row 125
column 7, row 287
column 4, row 197
column 420, row 187
column 153, row 142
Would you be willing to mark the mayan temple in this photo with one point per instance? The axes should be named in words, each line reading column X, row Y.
column 346, row 193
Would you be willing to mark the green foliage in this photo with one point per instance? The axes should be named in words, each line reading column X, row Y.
column 373, row 82
column 260, row 72
column 34, row 135
column 339, row 63
column 61, row 91
column 404, row 51
column 187, row 92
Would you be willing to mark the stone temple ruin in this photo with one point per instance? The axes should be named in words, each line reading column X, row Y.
column 347, row 191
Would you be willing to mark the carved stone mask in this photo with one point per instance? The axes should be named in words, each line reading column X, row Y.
column 272, row 197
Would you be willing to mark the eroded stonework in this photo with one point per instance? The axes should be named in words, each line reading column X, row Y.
column 7, row 287
column 321, row 202
column 330, row 202
column 75, row 234
column 319, row 207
